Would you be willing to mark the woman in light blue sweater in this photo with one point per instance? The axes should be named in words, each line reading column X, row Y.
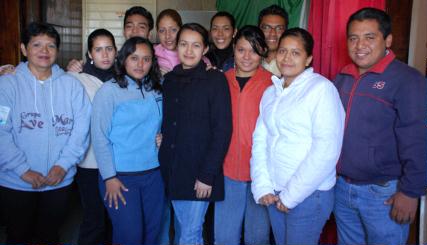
column 127, row 114
column 44, row 123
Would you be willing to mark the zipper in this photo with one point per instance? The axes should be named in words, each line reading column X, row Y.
column 49, row 125
column 276, row 103
column 347, row 112
column 350, row 101
column 239, row 155
column 240, row 94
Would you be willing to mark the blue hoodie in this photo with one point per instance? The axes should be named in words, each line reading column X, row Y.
column 125, row 122
column 42, row 124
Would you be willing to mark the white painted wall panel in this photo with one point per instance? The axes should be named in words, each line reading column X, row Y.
column 109, row 14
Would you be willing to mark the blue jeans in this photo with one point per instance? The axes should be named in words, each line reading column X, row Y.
column 164, row 238
column 139, row 221
column 190, row 215
column 238, row 206
column 302, row 224
column 363, row 218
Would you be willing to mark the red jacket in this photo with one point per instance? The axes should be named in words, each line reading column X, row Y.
column 245, row 111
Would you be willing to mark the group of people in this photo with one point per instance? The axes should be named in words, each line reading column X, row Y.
column 242, row 121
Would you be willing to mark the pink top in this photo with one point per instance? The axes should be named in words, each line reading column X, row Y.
column 168, row 59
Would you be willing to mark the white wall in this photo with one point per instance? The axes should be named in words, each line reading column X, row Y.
column 109, row 14
column 418, row 37
column 417, row 58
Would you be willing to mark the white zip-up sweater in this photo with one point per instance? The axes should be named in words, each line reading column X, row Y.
column 297, row 139
column 91, row 85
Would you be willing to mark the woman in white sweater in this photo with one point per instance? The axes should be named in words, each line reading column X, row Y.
column 95, row 227
column 296, row 144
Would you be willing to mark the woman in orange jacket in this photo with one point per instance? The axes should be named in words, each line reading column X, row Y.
column 247, row 82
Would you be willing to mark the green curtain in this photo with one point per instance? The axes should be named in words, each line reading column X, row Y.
column 246, row 11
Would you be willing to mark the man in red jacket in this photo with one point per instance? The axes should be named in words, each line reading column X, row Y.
column 382, row 168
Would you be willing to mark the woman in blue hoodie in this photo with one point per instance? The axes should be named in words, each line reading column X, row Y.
column 44, row 123
column 127, row 114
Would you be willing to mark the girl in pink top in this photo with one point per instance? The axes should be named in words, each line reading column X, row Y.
column 168, row 23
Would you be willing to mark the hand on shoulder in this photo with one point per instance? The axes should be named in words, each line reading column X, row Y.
column 7, row 69
column 75, row 66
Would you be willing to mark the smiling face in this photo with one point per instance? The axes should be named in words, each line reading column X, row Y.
column 138, row 64
column 136, row 26
column 292, row 59
column 41, row 52
column 273, row 27
column 103, row 52
column 190, row 48
column 222, row 32
column 366, row 44
column 246, row 59
column 167, row 31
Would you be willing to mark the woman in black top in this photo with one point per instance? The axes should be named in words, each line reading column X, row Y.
column 223, row 30
column 196, row 133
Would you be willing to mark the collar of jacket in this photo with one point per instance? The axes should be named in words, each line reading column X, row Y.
column 259, row 74
column 300, row 79
column 185, row 75
column 220, row 55
column 103, row 75
column 352, row 70
column 132, row 83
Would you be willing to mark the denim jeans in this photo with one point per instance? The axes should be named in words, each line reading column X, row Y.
column 302, row 224
column 190, row 215
column 164, row 236
column 238, row 206
column 363, row 218
column 139, row 221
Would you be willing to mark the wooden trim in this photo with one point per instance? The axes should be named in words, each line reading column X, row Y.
column 10, row 32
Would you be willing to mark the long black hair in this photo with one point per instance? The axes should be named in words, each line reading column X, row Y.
column 226, row 15
column 304, row 35
column 152, row 80
column 255, row 37
column 99, row 33
column 197, row 28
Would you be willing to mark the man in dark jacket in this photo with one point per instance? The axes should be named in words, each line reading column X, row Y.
column 382, row 168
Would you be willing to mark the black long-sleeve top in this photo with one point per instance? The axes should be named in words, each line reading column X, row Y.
column 196, row 130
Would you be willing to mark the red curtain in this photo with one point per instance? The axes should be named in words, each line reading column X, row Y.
column 327, row 23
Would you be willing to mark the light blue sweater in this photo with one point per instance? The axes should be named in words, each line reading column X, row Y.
column 42, row 124
column 124, row 127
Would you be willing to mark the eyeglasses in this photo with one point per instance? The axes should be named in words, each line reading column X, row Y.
column 268, row 28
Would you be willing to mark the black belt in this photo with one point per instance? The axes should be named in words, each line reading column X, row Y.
column 356, row 182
